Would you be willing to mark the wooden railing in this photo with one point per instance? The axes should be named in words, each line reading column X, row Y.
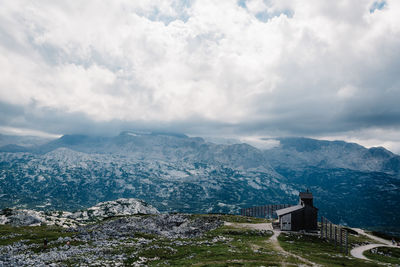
column 266, row 211
column 336, row 234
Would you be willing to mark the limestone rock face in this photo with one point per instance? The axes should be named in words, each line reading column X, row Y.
column 166, row 225
column 22, row 217
column 119, row 207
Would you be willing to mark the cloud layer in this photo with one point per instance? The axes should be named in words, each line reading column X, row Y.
column 272, row 67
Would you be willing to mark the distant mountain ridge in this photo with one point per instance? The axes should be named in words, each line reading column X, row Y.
column 174, row 172
column 161, row 146
column 332, row 154
column 22, row 140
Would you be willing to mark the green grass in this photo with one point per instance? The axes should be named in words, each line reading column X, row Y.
column 357, row 240
column 224, row 246
column 241, row 247
column 385, row 236
column 40, row 248
column 31, row 234
column 233, row 218
column 318, row 250
column 384, row 254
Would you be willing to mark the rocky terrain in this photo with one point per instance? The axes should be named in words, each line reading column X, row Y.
column 177, row 173
column 119, row 207
column 100, row 242
column 94, row 232
column 174, row 240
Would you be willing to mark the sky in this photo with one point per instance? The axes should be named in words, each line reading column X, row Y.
column 245, row 69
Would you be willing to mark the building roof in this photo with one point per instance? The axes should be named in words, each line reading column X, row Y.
column 306, row 195
column 288, row 210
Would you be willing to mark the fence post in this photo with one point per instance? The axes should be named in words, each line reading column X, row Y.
column 335, row 235
column 330, row 232
column 322, row 227
column 326, row 228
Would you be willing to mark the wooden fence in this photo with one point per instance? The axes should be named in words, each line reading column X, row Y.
column 266, row 211
column 335, row 234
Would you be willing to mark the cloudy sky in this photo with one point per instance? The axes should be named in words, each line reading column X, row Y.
column 248, row 68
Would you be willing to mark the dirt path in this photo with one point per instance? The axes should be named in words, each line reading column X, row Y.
column 358, row 251
column 273, row 240
column 277, row 246
column 255, row 226
column 378, row 239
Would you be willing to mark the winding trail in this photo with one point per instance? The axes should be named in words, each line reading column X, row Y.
column 273, row 240
column 358, row 251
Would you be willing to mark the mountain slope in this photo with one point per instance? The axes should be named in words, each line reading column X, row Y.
column 300, row 152
column 175, row 172
column 351, row 184
column 212, row 180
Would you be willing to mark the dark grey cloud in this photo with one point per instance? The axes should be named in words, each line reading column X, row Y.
column 253, row 68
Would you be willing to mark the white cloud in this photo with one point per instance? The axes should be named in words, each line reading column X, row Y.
column 347, row 91
column 372, row 137
column 260, row 142
column 310, row 67
column 29, row 132
column 256, row 6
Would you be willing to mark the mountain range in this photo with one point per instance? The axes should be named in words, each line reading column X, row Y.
column 177, row 173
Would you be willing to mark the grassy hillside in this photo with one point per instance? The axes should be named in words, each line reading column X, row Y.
column 384, row 254
column 239, row 243
column 321, row 251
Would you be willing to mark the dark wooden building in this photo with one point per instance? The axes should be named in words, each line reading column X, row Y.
column 303, row 216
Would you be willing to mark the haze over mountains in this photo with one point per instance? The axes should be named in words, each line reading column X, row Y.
column 174, row 172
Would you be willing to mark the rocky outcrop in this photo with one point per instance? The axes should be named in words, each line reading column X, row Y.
column 112, row 242
column 167, row 225
column 119, row 207
column 24, row 217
